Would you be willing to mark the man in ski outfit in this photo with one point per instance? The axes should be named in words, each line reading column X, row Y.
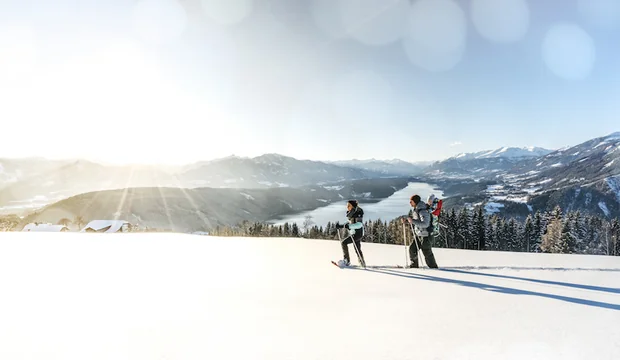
column 420, row 217
column 355, row 214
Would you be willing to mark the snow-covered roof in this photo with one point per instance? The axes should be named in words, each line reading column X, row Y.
column 45, row 227
column 111, row 225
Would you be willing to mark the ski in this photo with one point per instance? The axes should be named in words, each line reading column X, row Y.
column 369, row 267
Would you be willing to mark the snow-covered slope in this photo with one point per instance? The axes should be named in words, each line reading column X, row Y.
column 483, row 164
column 268, row 170
column 394, row 166
column 505, row 152
column 166, row 296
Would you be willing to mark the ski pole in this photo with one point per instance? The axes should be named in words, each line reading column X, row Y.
column 405, row 243
column 415, row 236
column 359, row 258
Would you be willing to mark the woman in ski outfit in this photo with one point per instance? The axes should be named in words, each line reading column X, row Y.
column 355, row 214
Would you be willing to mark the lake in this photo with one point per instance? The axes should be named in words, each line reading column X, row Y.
column 386, row 209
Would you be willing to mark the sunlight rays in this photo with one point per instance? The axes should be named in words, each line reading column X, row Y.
column 202, row 217
column 119, row 209
column 166, row 209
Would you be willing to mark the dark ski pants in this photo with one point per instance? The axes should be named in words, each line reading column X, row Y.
column 427, row 250
column 357, row 238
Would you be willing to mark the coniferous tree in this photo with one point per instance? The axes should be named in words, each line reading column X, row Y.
column 493, row 233
column 528, row 233
column 451, row 229
column 463, row 230
column 537, row 232
column 567, row 241
column 578, row 225
column 551, row 239
column 514, row 238
column 504, row 237
column 295, row 230
column 615, row 237
column 556, row 214
column 480, row 229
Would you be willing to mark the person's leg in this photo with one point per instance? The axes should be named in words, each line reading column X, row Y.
column 358, row 244
column 413, row 252
column 427, row 250
column 345, row 249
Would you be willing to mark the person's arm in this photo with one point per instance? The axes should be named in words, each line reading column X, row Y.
column 354, row 226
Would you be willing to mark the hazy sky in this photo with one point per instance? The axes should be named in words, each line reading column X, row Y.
column 178, row 81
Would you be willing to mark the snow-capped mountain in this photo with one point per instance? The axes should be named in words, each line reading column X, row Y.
column 484, row 163
column 269, row 170
column 15, row 170
column 584, row 177
column 394, row 166
column 52, row 181
column 505, row 152
column 37, row 182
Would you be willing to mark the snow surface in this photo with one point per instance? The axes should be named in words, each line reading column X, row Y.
column 609, row 163
column 493, row 207
column 114, row 225
column 247, row 196
column 614, row 185
column 44, row 227
column 181, row 297
column 172, row 296
column 334, row 187
column 601, row 143
column 603, row 207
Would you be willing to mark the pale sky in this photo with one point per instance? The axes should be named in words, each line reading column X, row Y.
column 179, row 81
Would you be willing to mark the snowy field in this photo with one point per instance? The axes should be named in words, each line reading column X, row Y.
column 170, row 296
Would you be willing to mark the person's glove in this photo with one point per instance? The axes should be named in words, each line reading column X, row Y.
column 346, row 226
column 339, row 226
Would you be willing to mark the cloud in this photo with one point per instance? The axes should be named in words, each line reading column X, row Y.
column 456, row 143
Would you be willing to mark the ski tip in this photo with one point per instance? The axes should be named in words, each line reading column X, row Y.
column 336, row 264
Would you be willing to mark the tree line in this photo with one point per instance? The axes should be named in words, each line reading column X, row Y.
column 549, row 232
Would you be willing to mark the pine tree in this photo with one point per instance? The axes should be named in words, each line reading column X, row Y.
column 556, row 214
column 295, row 230
column 493, row 226
column 451, row 228
column 528, row 233
column 551, row 239
column 615, row 237
column 539, row 228
column 480, row 230
column 567, row 241
column 513, row 238
column 578, row 225
column 504, row 237
column 463, row 230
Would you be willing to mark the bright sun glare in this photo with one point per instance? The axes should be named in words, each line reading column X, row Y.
column 113, row 103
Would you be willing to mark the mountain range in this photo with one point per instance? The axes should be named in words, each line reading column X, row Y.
column 509, row 181
column 583, row 177
column 202, row 209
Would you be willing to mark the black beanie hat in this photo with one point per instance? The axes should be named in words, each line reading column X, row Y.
column 353, row 203
column 415, row 198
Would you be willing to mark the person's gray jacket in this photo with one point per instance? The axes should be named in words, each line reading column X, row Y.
column 422, row 221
